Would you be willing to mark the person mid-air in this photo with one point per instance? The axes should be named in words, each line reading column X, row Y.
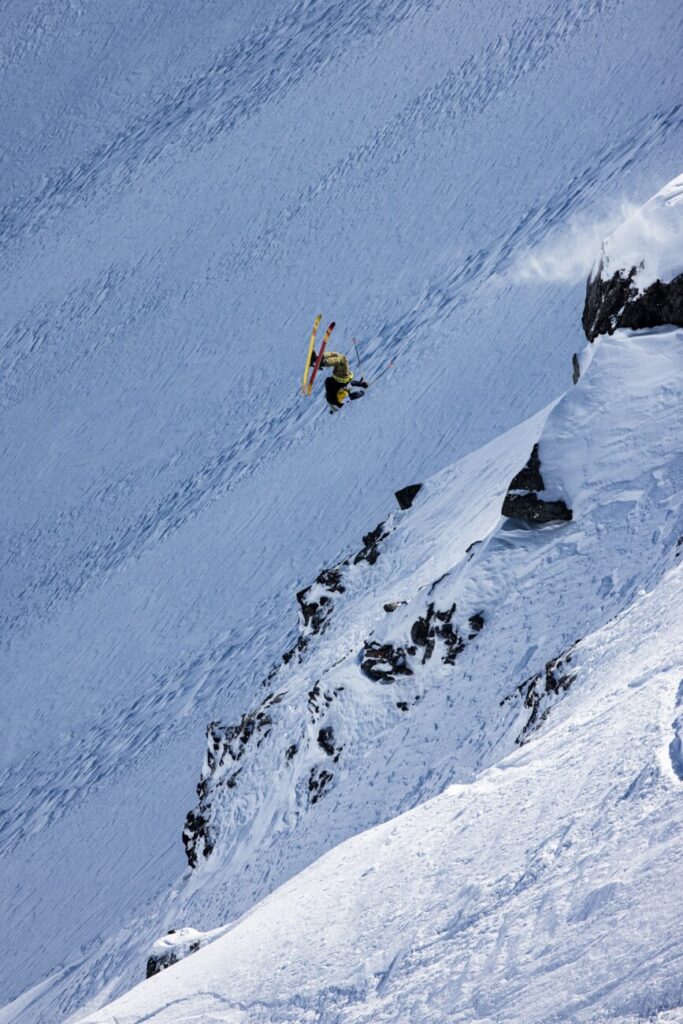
column 338, row 385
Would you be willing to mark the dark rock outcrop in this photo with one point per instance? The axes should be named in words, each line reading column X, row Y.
column 542, row 691
column 318, row 781
column 522, row 500
column 476, row 624
column 319, row 700
column 315, row 602
column 406, row 496
column 371, row 541
column 326, row 740
column 226, row 745
column 576, row 369
column 157, row 964
column 383, row 662
column 616, row 302
column 437, row 625
column 533, row 509
column 529, row 478
column 196, row 836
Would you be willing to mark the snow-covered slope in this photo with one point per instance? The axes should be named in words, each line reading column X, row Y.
column 348, row 738
column 453, row 638
column 182, row 191
column 544, row 890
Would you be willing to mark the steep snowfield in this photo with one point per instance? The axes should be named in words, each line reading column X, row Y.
column 533, row 886
column 545, row 890
column 538, row 590
column 182, row 191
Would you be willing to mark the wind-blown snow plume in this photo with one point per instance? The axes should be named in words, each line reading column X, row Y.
column 567, row 256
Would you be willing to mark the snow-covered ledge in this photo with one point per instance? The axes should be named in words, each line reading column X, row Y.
column 637, row 281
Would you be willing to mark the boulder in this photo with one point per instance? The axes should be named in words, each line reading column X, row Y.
column 406, row 496
column 174, row 946
column 522, row 500
column 533, row 509
column 383, row 662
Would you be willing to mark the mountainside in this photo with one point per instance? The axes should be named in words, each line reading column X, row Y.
column 182, row 192
column 536, row 884
column 544, row 890
column 381, row 708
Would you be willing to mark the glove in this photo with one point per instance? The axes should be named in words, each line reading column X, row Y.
column 362, row 383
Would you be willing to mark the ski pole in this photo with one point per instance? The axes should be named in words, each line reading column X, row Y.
column 360, row 361
column 387, row 367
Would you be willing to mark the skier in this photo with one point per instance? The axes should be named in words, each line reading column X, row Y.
column 337, row 385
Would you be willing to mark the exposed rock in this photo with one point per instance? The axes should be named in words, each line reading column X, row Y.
column 326, row 741
column 423, row 633
column 174, row 946
column 616, row 302
column 383, row 662
column 437, row 625
column 315, row 602
column 522, row 500
column 476, row 624
column 287, row 657
column 226, row 745
column 318, row 781
column 534, row 509
column 529, row 478
column 196, row 837
column 406, row 496
column 371, row 541
column 542, row 691
column 576, row 369
column 319, row 700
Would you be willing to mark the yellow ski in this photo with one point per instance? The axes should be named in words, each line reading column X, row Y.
column 311, row 346
column 319, row 360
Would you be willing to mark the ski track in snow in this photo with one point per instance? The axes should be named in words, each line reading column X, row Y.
column 462, row 93
column 262, row 67
column 275, row 433
column 128, row 511
column 35, row 795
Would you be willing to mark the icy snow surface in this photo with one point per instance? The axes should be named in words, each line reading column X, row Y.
column 183, row 188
